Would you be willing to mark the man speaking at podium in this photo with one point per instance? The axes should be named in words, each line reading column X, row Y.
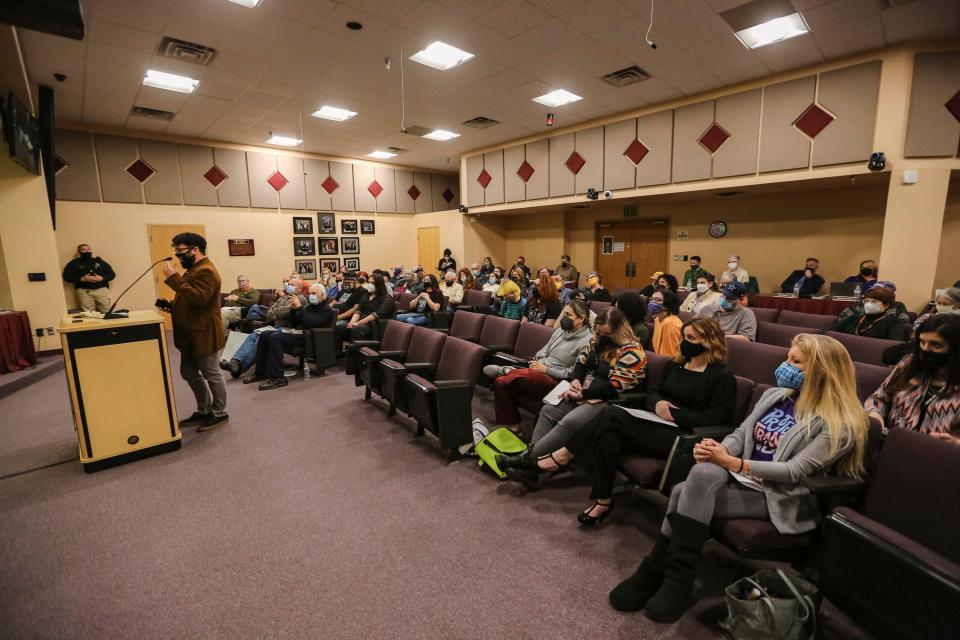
column 197, row 330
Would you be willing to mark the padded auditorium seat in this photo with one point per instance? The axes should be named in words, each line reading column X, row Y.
column 893, row 565
column 422, row 357
column 531, row 337
column 686, row 316
column 862, row 348
column 363, row 355
column 597, row 306
column 869, row 378
column 403, row 304
column 755, row 361
column 797, row 319
column 466, row 325
column 765, row 315
column 443, row 405
column 499, row 334
column 476, row 300
column 780, row 335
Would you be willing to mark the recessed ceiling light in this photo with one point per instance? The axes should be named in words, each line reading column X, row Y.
column 773, row 31
column 333, row 113
column 440, row 55
column 440, row 134
column 170, row 81
column 557, row 98
column 283, row 141
column 247, row 3
column 381, row 155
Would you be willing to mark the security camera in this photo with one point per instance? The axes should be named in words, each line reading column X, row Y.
column 386, row 63
column 463, row 209
column 877, row 161
column 59, row 77
column 608, row 194
column 651, row 43
column 591, row 194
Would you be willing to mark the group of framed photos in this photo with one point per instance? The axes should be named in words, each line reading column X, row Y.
column 326, row 225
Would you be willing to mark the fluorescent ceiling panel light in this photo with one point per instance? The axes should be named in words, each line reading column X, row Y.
column 557, row 98
column 333, row 113
column 440, row 55
column 381, row 155
column 773, row 31
column 283, row 141
column 170, row 81
column 440, row 134
column 247, row 3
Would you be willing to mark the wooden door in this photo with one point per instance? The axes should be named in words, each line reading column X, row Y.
column 648, row 250
column 613, row 254
column 629, row 251
column 160, row 236
column 428, row 248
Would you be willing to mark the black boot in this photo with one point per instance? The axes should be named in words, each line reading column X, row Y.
column 677, row 593
column 632, row 594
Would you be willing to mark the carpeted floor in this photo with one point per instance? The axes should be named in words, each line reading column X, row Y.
column 310, row 516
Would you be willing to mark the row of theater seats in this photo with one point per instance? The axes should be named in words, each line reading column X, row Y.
column 887, row 556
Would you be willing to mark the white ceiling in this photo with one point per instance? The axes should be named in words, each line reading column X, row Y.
column 285, row 58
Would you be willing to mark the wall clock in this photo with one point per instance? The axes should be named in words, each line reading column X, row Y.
column 718, row 229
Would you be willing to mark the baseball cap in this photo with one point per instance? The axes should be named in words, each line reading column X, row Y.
column 734, row 291
column 656, row 274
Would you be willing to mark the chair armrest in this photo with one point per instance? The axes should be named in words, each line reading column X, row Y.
column 425, row 369
column 358, row 344
column 831, row 485
column 453, row 384
column 508, row 359
column 498, row 348
column 717, row 433
column 443, row 330
column 393, row 365
column 420, row 383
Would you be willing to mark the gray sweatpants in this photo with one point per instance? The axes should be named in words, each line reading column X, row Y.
column 203, row 375
column 711, row 492
column 557, row 424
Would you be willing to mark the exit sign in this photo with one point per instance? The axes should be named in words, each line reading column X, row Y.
column 630, row 211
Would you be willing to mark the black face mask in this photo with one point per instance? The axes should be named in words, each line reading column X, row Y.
column 933, row 360
column 604, row 343
column 186, row 259
column 515, row 278
column 566, row 323
column 86, row 255
column 690, row 350
column 866, row 272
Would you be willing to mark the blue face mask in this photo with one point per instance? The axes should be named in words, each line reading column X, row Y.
column 654, row 307
column 725, row 304
column 289, row 288
column 313, row 298
column 789, row 376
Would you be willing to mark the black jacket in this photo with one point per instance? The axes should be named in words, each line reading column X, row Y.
column 808, row 286
column 703, row 399
column 312, row 316
column 96, row 266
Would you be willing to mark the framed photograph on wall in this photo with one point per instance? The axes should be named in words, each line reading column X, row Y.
column 328, row 246
column 326, row 223
column 348, row 227
column 306, row 268
column 368, row 226
column 330, row 263
column 351, row 264
column 240, row 247
column 303, row 226
column 349, row 245
column 304, row 247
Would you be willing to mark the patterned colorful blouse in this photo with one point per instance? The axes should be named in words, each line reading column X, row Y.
column 625, row 369
column 916, row 406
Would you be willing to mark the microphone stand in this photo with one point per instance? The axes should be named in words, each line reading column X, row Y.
column 110, row 315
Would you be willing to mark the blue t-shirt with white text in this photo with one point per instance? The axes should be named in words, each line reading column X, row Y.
column 770, row 428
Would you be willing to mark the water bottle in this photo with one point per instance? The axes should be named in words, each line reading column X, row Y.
column 689, row 284
column 796, row 289
column 306, row 369
column 857, row 290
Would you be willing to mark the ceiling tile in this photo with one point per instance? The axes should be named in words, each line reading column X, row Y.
column 118, row 35
column 274, row 28
column 555, row 7
column 227, row 14
column 221, row 91
column 514, row 17
column 129, row 14
column 433, row 20
column 153, row 98
column 193, row 30
column 550, row 35
column 310, row 12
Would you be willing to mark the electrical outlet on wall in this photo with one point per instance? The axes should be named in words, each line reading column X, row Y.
column 39, row 332
column 49, row 331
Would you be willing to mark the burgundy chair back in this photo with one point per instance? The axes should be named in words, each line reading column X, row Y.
column 531, row 338
column 913, row 490
column 403, row 306
column 396, row 337
column 467, row 325
column 686, row 316
column 780, row 335
column 499, row 331
column 267, row 298
column 742, row 402
column 460, row 360
column 425, row 345
column 758, row 391
column 797, row 319
column 477, row 298
column 754, row 361
column 862, row 348
column 597, row 306
column 869, row 378
column 656, row 368
column 765, row 315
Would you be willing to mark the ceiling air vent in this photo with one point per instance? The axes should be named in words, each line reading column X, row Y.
column 186, row 51
column 156, row 114
column 480, row 122
column 627, row 76
column 416, row 130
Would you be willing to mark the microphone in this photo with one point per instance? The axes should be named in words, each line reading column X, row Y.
column 110, row 315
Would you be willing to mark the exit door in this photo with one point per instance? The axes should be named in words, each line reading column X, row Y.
column 628, row 252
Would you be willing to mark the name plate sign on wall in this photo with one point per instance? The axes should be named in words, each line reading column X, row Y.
column 240, row 247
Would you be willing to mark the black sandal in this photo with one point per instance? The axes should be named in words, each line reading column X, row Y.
column 588, row 520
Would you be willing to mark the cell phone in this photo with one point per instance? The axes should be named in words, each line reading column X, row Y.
column 163, row 304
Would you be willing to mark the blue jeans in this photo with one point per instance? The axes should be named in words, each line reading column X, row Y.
column 257, row 312
column 413, row 318
column 247, row 353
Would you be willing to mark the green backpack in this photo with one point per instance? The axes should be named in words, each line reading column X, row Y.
column 498, row 441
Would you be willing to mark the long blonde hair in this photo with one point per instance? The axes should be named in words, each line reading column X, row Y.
column 829, row 392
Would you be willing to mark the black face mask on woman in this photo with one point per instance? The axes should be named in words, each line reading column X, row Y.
column 691, row 350
column 933, row 360
column 566, row 323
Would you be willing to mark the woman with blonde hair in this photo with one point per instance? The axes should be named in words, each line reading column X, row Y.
column 810, row 424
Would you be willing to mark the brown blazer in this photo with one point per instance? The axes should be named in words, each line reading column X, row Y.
column 197, row 330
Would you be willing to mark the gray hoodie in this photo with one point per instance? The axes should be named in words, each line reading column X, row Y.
column 560, row 352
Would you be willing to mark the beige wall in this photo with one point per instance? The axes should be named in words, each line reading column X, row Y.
column 485, row 236
column 539, row 238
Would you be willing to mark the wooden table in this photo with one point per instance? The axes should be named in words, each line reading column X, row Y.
column 822, row 306
column 16, row 342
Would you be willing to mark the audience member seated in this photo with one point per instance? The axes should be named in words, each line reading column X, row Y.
column 562, row 291
column 353, row 293
column 804, row 283
column 452, row 289
column 897, row 309
column 667, row 326
column 416, row 285
column 519, row 276
column 737, row 320
column 634, row 308
column 809, row 425
column 427, row 302
column 923, row 391
column 491, row 283
column 947, row 301
column 512, row 303
column 486, row 268
column 243, row 297
column 544, row 305
column 521, row 264
column 328, row 280
column 648, row 290
column 316, row 314
column 697, row 390
column 706, row 293
column 446, row 262
column 467, row 281
column 386, row 280
column 735, row 270
column 873, row 321
column 595, row 290
column 377, row 305
column 553, row 363
column 398, row 276
column 867, row 277
column 277, row 316
column 614, row 362
column 669, row 282
column 691, row 275
column 570, row 274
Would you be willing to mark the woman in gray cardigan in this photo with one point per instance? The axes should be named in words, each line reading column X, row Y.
column 810, row 424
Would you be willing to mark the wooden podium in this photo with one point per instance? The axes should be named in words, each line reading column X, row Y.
column 118, row 374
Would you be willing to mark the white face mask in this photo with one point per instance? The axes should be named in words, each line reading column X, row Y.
column 872, row 308
column 369, row 287
column 702, row 287
column 944, row 308
column 732, row 266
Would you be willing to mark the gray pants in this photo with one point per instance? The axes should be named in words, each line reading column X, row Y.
column 557, row 424
column 711, row 492
column 203, row 375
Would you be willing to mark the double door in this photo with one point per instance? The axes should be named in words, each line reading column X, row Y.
column 627, row 252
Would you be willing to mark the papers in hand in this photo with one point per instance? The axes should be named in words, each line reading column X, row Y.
column 264, row 329
column 648, row 415
column 747, row 481
column 556, row 394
